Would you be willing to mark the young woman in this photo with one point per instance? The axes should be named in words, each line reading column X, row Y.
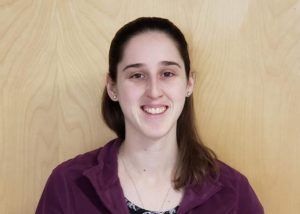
column 157, row 164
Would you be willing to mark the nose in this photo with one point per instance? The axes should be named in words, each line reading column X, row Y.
column 153, row 90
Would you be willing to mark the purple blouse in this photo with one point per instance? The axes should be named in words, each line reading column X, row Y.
column 89, row 184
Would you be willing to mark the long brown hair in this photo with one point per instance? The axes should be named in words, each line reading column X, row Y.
column 195, row 160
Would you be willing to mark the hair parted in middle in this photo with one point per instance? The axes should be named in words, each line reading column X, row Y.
column 195, row 160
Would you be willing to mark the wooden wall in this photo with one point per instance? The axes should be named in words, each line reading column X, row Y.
column 53, row 61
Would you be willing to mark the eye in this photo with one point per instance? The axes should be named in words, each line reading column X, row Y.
column 168, row 74
column 137, row 76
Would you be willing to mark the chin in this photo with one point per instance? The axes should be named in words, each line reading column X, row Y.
column 157, row 134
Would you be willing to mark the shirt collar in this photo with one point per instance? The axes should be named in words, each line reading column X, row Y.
column 105, row 180
column 195, row 195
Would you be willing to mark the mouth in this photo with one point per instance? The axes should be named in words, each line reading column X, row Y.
column 154, row 110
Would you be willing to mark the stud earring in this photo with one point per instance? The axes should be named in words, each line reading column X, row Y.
column 115, row 97
column 188, row 93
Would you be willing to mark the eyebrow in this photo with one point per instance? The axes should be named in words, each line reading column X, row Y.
column 135, row 65
column 138, row 65
column 170, row 63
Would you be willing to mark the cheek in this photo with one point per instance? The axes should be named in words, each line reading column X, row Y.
column 178, row 90
column 128, row 93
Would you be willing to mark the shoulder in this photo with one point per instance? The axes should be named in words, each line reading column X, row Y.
column 78, row 165
column 67, row 174
column 229, row 176
column 236, row 185
column 67, row 181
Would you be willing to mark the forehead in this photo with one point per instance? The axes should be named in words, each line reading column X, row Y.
column 150, row 46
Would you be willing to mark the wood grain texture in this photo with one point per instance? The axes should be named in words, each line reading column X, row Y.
column 53, row 62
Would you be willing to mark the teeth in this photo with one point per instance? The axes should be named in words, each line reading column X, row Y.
column 157, row 110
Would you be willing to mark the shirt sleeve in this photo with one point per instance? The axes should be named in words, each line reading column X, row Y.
column 247, row 202
column 53, row 199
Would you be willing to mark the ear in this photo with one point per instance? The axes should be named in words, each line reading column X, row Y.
column 190, row 84
column 111, row 89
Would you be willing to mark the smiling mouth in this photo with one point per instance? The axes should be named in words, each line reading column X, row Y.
column 154, row 110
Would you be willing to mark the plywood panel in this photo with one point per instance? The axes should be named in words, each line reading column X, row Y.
column 53, row 61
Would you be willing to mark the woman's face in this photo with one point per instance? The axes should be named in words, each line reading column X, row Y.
column 151, row 85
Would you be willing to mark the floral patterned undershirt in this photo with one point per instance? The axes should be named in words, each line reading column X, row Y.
column 134, row 209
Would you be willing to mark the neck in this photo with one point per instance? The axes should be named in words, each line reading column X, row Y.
column 155, row 157
column 146, row 172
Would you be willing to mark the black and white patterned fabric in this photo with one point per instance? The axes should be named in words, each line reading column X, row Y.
column 134, row 209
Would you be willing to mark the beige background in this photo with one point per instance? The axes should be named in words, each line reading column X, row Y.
column 53, row 60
